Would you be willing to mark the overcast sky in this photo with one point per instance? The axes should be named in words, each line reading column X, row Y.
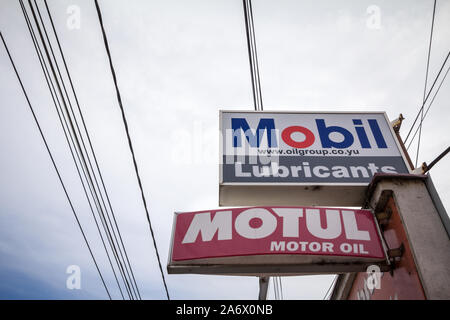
column 178, row 63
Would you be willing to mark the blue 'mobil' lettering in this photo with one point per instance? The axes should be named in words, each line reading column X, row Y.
column 324, row 133
column 254, row 140
column 377, row 133
column 268, row 125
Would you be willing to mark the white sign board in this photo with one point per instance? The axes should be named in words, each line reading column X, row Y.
column 304, row 158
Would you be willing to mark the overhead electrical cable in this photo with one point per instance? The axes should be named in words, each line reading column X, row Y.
column 108, row 226
column 277, row 281
column 275, row 288
column 78, row 150
column 130, row 144
column 90, row 145
column 61, row 118
column 54, row 165
column 252, row 55
column 255, row 52
column 256, row 89
column 426, row 98
column 429, row 106
column 330, row 287
column 426, row 80
column 281, row 288
column 63, row 123
column 77, row 144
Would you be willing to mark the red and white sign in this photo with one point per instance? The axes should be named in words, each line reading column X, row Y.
column 261, row 235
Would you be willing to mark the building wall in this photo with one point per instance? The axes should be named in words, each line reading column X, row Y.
column 404, row 282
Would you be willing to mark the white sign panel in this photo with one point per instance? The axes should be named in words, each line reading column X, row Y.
column 317, row 151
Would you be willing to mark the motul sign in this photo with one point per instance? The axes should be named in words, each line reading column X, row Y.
column 277, row 236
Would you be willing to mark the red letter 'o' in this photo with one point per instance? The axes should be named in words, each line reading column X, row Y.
column 309, row 137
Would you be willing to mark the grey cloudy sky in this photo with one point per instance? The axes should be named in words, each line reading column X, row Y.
column 178, row 63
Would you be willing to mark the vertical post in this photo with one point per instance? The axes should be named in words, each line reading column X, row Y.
column 263, row 287
column 424, row 226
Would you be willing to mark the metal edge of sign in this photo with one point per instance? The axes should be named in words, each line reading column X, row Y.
column 172, row 240
column 262, row 259
column 294, row 184
column 399, row 147
column 293, row 111
column 381, row 237
column 276, row 269
column 220, row 148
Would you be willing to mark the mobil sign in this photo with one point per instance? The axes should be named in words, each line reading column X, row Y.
column 304, row 158
column 275, row 240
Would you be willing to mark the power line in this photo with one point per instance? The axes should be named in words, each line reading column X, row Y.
column 426, row 98
column 77, row 146
column 119, row 99
column 258, row 82
column 252, row 54
column 426, row 80
column 429, row 106
column 56, row 104
column 90, row 145
column 329, row 288
column 429, row 51
column 275, row 288
column 127, row 264
column 278, row 288
column 281, row 288
column 78, row 152
column 61, row 117
column 54, row 163
column 257, row 92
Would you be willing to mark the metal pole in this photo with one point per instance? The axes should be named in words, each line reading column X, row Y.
column 263, row 287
